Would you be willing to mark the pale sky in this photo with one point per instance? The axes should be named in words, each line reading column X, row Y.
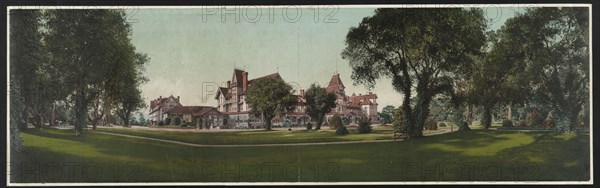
column 194, row 50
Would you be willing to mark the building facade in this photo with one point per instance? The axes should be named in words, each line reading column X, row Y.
column 352, row 106
column 207, row 117
column 231, row 103
column 231, row 100
column 159, row 106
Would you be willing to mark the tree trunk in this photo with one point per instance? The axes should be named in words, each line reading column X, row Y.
column 80, row 111
column 573, row 118
column 41, row 120
column 459, row 118
column 126, row 120
column 96, row 113
column 35, row 116
column 422, row 112
column 407, row 118
column 319, row 121
column 268, row 123
column 106, row 112
column 509, row 113
column 53, row 114
column 486, row 120
column 469, row 119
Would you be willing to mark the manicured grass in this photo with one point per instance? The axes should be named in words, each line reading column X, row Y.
column 479, row 155
column 258, row 136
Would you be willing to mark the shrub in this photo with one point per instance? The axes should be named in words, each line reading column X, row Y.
column 309, row 126
column 167, row 121
column 507, row 123
column 430, row 124
column 335, row 122
column 534, row 119
column 364, row 125
column 183, row 125
column 345, row 121
column 341, row 130
column 177, row 121
column 161, row 123
column 397, row 120
column 442, row 124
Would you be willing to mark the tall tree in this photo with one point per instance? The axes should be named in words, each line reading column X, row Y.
column 128, row 96
column 499, row 77
column 555, row 44
column 88, row 46
column 17, row 121
column 270, row 97
column 420, row 50
column 318, row 103
column 27, row 55
column 460, row 103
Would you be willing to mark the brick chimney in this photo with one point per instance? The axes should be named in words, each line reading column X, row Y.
column 370, row 93
column 302, row 93
column 228, row 84
column 160, row 97
column 244, row 81
column 177, row 98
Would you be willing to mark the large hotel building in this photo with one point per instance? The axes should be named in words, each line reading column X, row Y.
column 233, row 111
column 231, row 102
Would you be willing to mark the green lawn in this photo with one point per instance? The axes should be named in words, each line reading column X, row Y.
column 480, row 155
column 258, row 136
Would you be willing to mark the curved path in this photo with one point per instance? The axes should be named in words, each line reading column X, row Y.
column 257, row 145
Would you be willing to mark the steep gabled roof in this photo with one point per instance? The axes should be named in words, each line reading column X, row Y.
column 205, row 110
column 362, row 99
column 223, row 91
column 184, row 109
column 161, row 102
column 194, row 110
column 237, row 73
column 335, row 83
column 272, row 76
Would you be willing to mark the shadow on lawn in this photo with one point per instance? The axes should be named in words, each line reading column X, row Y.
column 540, row 157
column 42, row 165
column 554, row 157
column 548, row 157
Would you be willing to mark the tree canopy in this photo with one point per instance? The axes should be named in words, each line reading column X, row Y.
column 318, row 103
column 554, row 43
column 420, row 50
column 270, row 97
column 79, row 59
column 387, row 114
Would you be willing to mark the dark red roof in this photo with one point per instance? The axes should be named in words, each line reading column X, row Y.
column 238, row 75
column 334, row 83
column 184, row 109
column 224, row 91
column 205, row 110
column 362, row 99
column 272, row 76
column 158, row 102
column 194, row 110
